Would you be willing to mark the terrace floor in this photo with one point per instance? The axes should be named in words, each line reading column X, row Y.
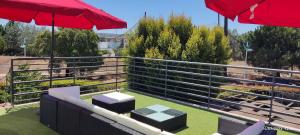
column 23, row 120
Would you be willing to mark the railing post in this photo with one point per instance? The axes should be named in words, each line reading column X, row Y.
column 209, row 89
column 12, row 82
column 272, row 98
column 74, row 72
column 117, row 74
column 166, row 77
column 51, row 72
column 134, row 64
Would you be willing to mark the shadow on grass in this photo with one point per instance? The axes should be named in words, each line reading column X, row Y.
column 23, row 121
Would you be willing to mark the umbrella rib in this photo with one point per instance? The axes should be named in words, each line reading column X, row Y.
column 250, row 7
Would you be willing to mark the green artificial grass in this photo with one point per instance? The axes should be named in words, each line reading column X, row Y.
column 199, row 122
column 24, row 121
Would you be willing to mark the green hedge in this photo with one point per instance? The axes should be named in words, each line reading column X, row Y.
column 4, row 95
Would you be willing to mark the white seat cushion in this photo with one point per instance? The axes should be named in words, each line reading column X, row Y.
column 62, row 92
column 166, row 133
column 138, row 126
column 120, row 97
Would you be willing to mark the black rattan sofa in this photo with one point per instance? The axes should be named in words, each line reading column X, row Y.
column 74, row 117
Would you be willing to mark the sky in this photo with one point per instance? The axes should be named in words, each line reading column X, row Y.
column 132, row 10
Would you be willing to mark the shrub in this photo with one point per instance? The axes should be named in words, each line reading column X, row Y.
column 4, row 95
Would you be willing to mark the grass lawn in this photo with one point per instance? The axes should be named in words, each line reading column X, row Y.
column 24, row 121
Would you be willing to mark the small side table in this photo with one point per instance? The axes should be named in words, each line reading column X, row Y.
column 161, row 117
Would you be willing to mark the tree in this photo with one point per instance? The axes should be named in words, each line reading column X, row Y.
column 150, row 28
column 236, row 43
column 275, row 47
column 169, row 45
column 69, row 43
column 182, row 26
column 145, row 36
column 200, row 46
column 223, row 50
column 12, row 38
column 28, row 33
column 177, row 40
column 41, row 45
column 2, row 30
column 207, row 45
column 2, row 45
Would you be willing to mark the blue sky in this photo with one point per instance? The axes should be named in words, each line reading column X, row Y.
column 132, row 10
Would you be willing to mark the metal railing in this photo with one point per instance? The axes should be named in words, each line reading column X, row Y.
column 29, row 77
column 271, row 95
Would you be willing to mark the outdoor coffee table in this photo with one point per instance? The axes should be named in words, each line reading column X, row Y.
column 115, row 101
column 161, row 117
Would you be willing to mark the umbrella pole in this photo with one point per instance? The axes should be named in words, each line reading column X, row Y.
column 51, row 50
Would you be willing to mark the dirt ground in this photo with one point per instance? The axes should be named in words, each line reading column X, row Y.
column 43, row 64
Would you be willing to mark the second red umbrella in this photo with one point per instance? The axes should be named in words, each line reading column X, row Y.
column 264, row 12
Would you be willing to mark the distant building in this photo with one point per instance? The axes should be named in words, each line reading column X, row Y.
column 111, row 41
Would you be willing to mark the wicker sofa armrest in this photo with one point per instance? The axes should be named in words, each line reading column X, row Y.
column 231, row 126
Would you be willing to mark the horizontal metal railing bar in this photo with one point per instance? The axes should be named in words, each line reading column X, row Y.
column 85, row 57
column 204, row 86
column 220, row 65
column 98, row 75
column 286, row 99
column 199, row 80
column 28, row 93
column 227, row 72
column 23, row 88
column 81, row 67
column 149, row 90
column 223, row 77
column 32, row 58
column 37, row 92
column 203, row 97
column 224, row 101
column 194, row 90
column 90, row 57
column 45, row 80
column 100, row 84
column 27, row 100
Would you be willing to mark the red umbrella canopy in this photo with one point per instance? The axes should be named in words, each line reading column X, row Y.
column 61, row 13
column 67, row 14
column 265, row 12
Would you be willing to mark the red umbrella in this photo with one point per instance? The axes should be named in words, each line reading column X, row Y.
column 265, row 12
column 67, row 14
column 61, row 13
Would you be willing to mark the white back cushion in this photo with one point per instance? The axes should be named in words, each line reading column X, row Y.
column 105, row 113
column 62, row 92
column 138, row 126
column 79, row 102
